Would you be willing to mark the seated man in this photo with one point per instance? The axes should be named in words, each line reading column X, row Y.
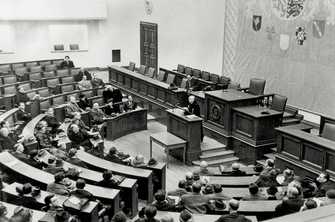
column 271, row 192
column 52, row 204
column 108, row 180
column 96, row 82
column 218, row 194
column 82, row 72
column 72, row 107
column 233, row 215
column 107, row 94
column 180, row 190
column 203, row 169
column 52, row 121
column 84, row 84
column 150, row 213
column 79, row 137
column 22, row 114
column 6, row 141
column 115, row 156
column 254, row 193
column 73, row 159
column 235, row 170
column 18, row 152
column 42, row 135
column 268, row 175
column 83, row 102
column 110, row 109
column 330, row 198
column 97, row 116
column 58, row 186
column 162, row 202
column 80, row 191
column 67, row 63
column 54, row 166
column 324, row 184
column 130, row 104
column 21, row 95
column 195, row 202
column 291, row 204
column 117, row 99
column 77, row 120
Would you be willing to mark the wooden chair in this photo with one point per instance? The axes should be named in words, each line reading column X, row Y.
column 205, row 75
column 17, row 65
column 31, row 64
column 9, row 79
column 151, row 72
column 328, row 131
column 45, row 63
column 74, row 71
column 161, row 76
column 196, row 73
column 50, row 67
column 183, row 83
column 62, row 72
column 181, row 68
column 44, row 92
column 59, row 100
column 36, row 69
column 67, row 79
column 67, row 88
column 35, row 79
column 215, row 78
column 49, row 74
column 142, row 69
column 132, row 66
column 279, row 103
column 188, row 71
column 256, row 86
column 170, row 78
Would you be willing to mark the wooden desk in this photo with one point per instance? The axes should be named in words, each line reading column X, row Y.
column 26, row 173
column 88, row 213
column 28, row 131
column 232, row 181
column 147, row 86
column 169, row 142
column 143, row 176
column 126, row 123
column 128, row 186
column 188, row 129
column 9, row 116
column 307, row 154
column 37, row 215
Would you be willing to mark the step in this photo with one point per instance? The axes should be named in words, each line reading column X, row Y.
column 270, row 155
column 217, row 155
column 225, row 161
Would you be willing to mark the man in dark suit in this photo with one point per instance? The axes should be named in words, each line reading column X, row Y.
column 67, row 63
column 80, row 75
column 108, row 180
column 291, row 204
column 52, row 121
column 254, row 193
column 22, row 114
column 113, row 156
column 107, row 94
column 233, row 216
column 194, row 108
column 235, row 170
column 73, row 159
column 195, row 202
column 21, row 95
column 324, row 184
column 83, row 102
column 80, row 192
column 130, row 104
column 117, row 99
column 79, row 137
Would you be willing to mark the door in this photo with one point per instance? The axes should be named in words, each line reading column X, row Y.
column 149, row 45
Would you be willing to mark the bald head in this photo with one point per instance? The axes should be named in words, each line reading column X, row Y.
column 235, row 166
column 96, row 106
column 75, row 128
column 233, row 204
column 203, row 165
column 191, row 99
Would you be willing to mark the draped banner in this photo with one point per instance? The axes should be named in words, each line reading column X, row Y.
column 294, row 49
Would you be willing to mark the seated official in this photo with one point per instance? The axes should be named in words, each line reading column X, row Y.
column 84, row 84
column 291, row 204
column 115, row 156
column 83, row 102
column 254, row 193
column 97, row 116
column 323, row 184
column 267, row 177
column 110, row 109
column 271, row 192
column 22, row 114
column 51, row 120
column 72, row 107
column 195, row 202
column 21, row 95
column 67, row 63
column 108, row 180
column 97, row 82
column 218, row 194
column 130, row 104
column 162, row 202
column 180, row 190
column 52, row 204
column 79, row 136
column 107, row 94
column 42, row 135
column 73, row 159
column 203, row 169
column 80, row 191
column 233, row 214
column 194, row 108
column 59, row 186
column 83, row 72
column 235, row 170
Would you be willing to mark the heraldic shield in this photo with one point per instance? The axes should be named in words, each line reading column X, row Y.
column 284, row 42
column 319, row 28
column 257, row 22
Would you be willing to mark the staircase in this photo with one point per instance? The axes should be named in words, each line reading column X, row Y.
column 215, row 153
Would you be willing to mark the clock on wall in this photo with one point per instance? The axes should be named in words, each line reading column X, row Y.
column 148, row 7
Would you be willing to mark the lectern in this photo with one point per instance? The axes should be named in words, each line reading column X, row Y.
column 187, row 127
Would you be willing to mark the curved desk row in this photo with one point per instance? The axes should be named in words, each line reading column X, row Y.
column 37, row 215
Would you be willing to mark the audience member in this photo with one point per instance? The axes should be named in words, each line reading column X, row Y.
column 235, row 170
column 162, row 202
column 3, row 213
column 107, row 94
column 83, row 102
column 6, row 141
column 180, row 190
column 309, row 204
column 324, row 184
column 218, row 194
column 291, row 204
column 330, row 197
column 195, row 202
column 72, row 107
column 254, row 193
column 54, row 166
column 73, row 159
column 115, row 156
column 52, row 203
column 185, row 216
column 233, row 215
column 79, row 137
column 22, row 214
column 268, row 175
column 67, row 63
column 58, row 186
column 130, row 104
column 288, row 177
column 51, row 120
column 22, row 114
column 271, row 192
column 203, row 169
column 84, row 84
column 83, row 72
column 141, row 215
column 108, row 180
column 150, row 213
column 80, row 191
column 137, row 161
column 97, row 116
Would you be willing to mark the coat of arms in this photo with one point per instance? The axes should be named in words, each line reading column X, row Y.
column 301, row 35
column 256, row 22
column 288, row 9
column 318, row 28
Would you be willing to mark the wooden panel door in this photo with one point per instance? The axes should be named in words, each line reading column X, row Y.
column 149, row 45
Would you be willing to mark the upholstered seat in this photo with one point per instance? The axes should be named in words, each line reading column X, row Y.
column 215, row 78
column 256, row 86
column 196, row 73
column 142, row 69
column 279, row 103
column 132, row 66
column 151, row 72
column 170, row 78
column 205, row 75
column 183, row 83
column 328, row 131
column 161, row 76
column 188, row 71
column 181, row 68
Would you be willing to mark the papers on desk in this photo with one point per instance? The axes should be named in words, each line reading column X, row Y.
column 191, row 116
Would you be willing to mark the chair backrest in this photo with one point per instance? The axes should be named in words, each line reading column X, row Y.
column 87, row 94
column 21, row 70
column 234, row 85
column 44, row 92
column 132, row 66
column 170, row 78
column 62, row 72
column 328, row 131
column 224, row 80
column 9, row 79
column 188, row 71
column 5, row 68
column 49, row 74
column 45, row 104
column 256, row 86
column 45, row 63
column 50, row 67
column 215, row 78
column 183, row 83
column 25, row 86
column 31, row 64
column 151, row 72
column 279, row 103
column 52, row 82
column 205, row 75
column 67, row 88
column 142, row 69
column 67, row 79
column 57, row 62
column 17, row 65
column 35, row 76
column 161, row 76
column 59, row 100
column 9, row 90
column 36, row 69
column 196, row 73
column 75, row 71
column 181, row 68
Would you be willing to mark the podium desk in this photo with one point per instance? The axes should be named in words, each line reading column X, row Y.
column 187, row 127
column 219, row 105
